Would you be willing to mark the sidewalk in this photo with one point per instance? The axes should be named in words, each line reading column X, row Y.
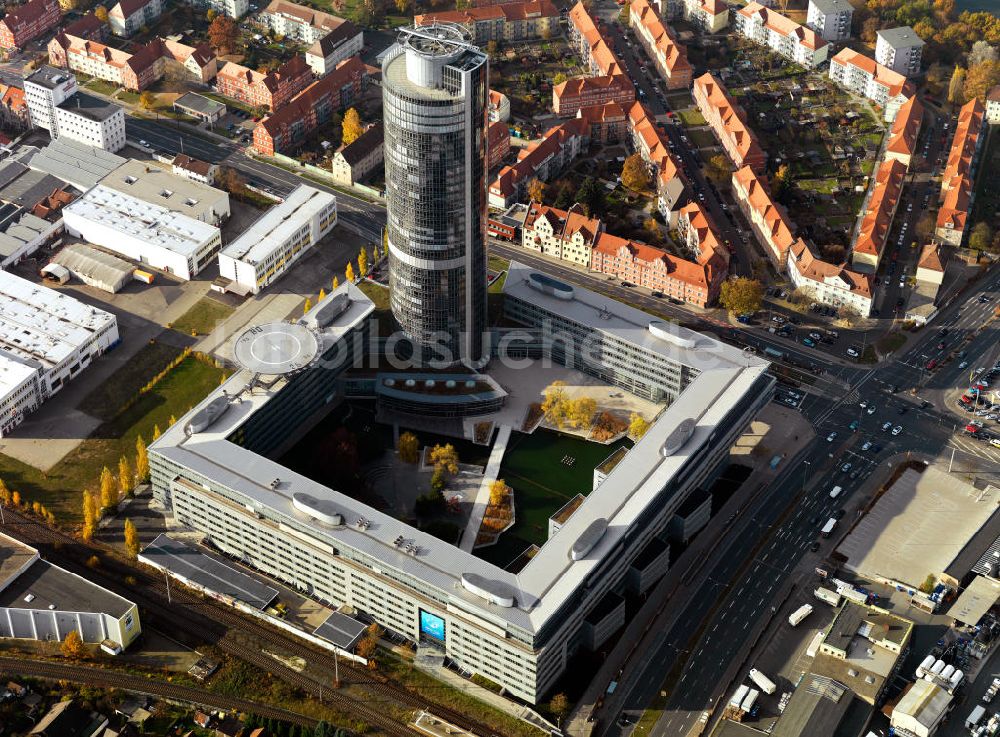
column 644, row 633
column 482, row 499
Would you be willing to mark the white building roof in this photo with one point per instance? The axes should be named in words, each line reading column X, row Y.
column 42, row 325
column 277, row 225
column 148, row 222
column 156, row 184
column 921, row 707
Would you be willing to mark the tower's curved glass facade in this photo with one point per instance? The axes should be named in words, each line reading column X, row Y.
column 435, row 88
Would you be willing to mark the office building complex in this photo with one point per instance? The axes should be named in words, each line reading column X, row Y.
column 519, row 629
column 781, row 34
column 55, row 104
column 269, row 247
column 831, row 19
column 899, row 49
column 434, row 100
column 46, row 339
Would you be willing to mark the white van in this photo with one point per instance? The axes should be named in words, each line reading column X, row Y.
column 835, row 492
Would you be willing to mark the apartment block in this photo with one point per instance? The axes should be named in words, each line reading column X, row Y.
column 279, row 238
column 607, row 82
column 876, row 220
column 668, row 56
column 782, row 35
column 340, row 44
column 701, row 237
column 728, row 123
column 133, row 71
column 829, row 284
column 651, row 143
column 656, row 269
column 541, row 160
column 233, row 8
column 24, row 23
column 270, row 91
column 993, row 106
column 126, row 17
column 771, row 225
column 13, row 108
column 900, row 50
column 831, row 19
column 286, row 128
column 865, row 77
column 497, row 144
column 711, row 16
column 298, row 22
column 510, row 22
column 902, row 143
column 959, row 175
column 354, row 162
column 566, row 235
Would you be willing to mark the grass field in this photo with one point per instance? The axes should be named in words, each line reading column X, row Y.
column 702, row 138
column 542, row 484
column 691, row 116
column 202, row 318
column 60, row 489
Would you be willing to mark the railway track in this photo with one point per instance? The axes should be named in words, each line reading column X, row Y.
column 202, row 619
column 137, row 684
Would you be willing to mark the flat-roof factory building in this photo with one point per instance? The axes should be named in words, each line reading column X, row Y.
column 269, row 247
column 46, row 339
column 40, row 601
column 517, row 629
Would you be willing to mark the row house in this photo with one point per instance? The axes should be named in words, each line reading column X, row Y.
column 782, row 35
column 607, row 81
column 270, row 91
column 135, row 71
column 128, row 16
column 959, row 174
column 507, row 23
column 649, row 141
column 541, row 160
column 769, row 221
column 656, row 269
column 287, row 128
column 701, row 237
column 668, row 56
column 298, row 22
column 25, row 23
column 729, row 124
column 829, row 284
column 876, row 219
column 902, row 143
column 565, row 235
column 865, row 77
column 497, row 144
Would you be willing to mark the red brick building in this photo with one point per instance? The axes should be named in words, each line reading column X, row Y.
column 272, row 90
column 654, row 268
column 27, row 22
column 497, row 144
column 291, row 124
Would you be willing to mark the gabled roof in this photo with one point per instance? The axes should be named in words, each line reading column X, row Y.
column 906, row 128
column 779, row 228
column 329, row 43
column 881, row 206
column 931, row 258
column 893, row 81
column 308, row 16
column 704, row 228
column 994, row 94
column 570, row 222
column 126, row 8
column 781, row 25
column 956, row 179
column 531, row 158
column 301, row 105
column 729, row 115
column 652, row 257
column 294, row 67
column 363, row 145
column 87, row 26
column 669, row 52
column 810, row 266
column 30, row 12
column 508, row 12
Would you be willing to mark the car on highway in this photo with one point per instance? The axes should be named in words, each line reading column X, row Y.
column 897, row 429
column 809, row 342
column 886, row 426
column 832, row 436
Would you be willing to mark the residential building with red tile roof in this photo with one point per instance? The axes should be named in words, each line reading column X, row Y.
column 499, row 107
column 607, row 123
column 25, row 23
column 729, row 124
column 876, row 220
column 135, row 71
column 669, row 57
column 830, row 284
column 608, row 81
column 656, row 269
column 866, row 77
column 651, row 143
column 287, row 128
column 710, row 15
column 993, row 106
column 700, row 235
column 87, row 26
column 902, row 143
column 932, row 264
column 567, row 235
column 541, row 160
column 298, row 22
column 959, row 176
column 511, row 22
column 343, row 42
column 782, row 35
column 497, row 144
column 126, row 17
column 13, row 108
column 770, row 223
column 271, row 90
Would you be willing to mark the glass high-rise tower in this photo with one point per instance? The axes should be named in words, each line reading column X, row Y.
column 434, row 93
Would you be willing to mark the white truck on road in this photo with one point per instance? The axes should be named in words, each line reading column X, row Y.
column 799, row 614
column 765, row 683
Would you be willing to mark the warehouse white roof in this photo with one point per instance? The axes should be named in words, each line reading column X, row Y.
column 42, row 325
column 137, row 218
column 278, row 224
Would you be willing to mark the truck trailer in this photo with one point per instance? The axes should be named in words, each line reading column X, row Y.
column 830, row 597
column 765, row 683
column 799, row 614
